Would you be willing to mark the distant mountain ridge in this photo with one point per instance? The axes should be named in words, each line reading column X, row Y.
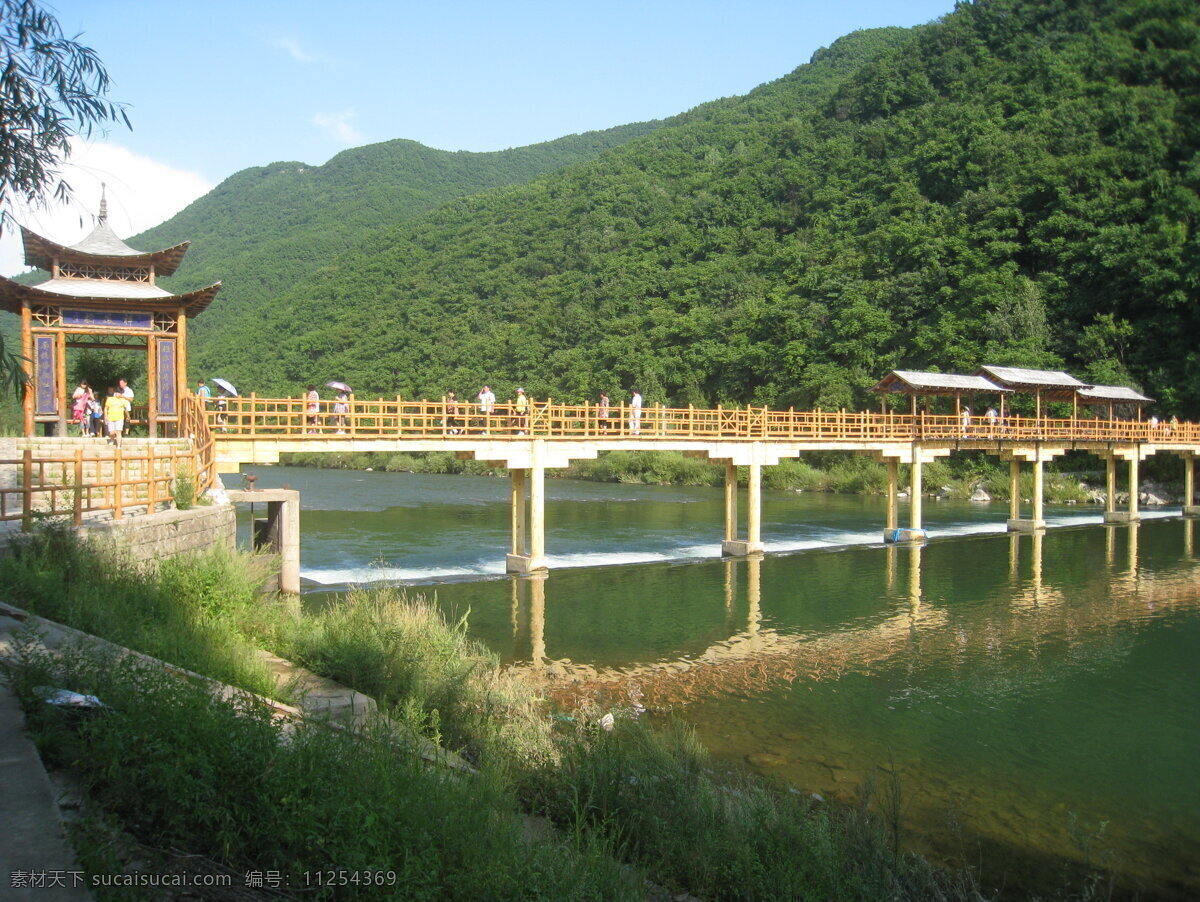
column 1017, row 183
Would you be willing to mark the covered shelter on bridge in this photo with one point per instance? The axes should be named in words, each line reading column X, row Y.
column 102, row 294
column 1112, row 396
column 919, row 384
column 1053, row 385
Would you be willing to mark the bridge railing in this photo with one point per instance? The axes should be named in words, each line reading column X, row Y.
column 288, row 418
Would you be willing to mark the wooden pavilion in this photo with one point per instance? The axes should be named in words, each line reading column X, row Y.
column 1111, row 396
column 918, row 384
column 1053, row 385
column 102, row 294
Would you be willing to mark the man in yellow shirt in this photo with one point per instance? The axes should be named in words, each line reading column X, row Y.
column 116, row 408
column 522, row 410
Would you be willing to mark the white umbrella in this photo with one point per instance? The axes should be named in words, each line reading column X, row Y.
column 339, row 386
column 227, row 387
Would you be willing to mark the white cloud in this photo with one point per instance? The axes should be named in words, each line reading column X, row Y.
column 297, row 51
column 141, row 193
column 339, row 127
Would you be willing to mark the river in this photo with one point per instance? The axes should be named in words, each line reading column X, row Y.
column 1031, row 699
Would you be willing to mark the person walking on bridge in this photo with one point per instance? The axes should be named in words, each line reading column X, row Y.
column 602, row 412
column 635, row 412
column 312, row 407
column 487, row 406
column 521, row 408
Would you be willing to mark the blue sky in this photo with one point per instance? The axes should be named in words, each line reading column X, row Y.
column 214, row 86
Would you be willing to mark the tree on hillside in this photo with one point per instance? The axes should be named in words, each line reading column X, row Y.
column 51, row 88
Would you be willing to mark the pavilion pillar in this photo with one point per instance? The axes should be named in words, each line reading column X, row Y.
column 27, row 364
column 60, row 377
column 152, row 385
column 1190, row 508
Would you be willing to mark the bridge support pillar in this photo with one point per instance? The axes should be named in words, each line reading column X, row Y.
column 278, row 532
column 1190, row 508
column 917, row 457
column 1038, row 455
column 1111, row 515
column 753, row 541
column 524, row 558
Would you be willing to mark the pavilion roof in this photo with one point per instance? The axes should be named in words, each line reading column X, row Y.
column 104, row 295
column 1053, row 384
column 912, row 382
column 1119, row 394
column 101, row 246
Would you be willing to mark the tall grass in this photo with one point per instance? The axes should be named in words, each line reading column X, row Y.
column 231, row 783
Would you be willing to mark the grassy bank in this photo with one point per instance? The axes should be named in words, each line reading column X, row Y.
column 172, row 766
column 956, row 479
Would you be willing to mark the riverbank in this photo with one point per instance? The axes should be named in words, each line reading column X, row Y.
column 167, row 765
column 967, row 477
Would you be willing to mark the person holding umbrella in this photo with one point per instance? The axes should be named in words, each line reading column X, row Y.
column 227, row 392
column 341, row 406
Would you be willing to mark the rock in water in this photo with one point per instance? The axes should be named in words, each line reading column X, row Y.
column 980, row 496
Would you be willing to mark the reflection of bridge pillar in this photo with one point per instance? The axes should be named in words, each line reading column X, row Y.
column 1038, row 538
column 1190, row 508
column 1110, row 547
column 1014, row 555
column 891, row 568
column 1134, row 528
column 914, row 578
column 754, row 593
column 730, row 501
column 537, row 617
column 1188, row 540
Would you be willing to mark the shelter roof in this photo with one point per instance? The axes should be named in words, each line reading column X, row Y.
column 1115, row 393
column 105, row 294
column 1020, row 379
column 911, row 382
column 102, row 245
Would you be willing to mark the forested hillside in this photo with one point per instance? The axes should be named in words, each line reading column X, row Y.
column 1016, row 183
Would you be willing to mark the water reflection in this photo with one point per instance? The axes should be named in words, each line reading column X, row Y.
column 762, row 645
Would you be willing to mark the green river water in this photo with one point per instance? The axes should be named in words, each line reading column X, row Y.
column 1034, row 700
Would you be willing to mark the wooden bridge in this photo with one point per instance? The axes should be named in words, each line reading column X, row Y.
column 92, row 478
column 258, row 430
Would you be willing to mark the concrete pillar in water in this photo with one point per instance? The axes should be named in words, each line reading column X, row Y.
column 279, row 531
column 537, row 515
column 754, row 508
column 1039, row 500
column 1190, row 508
column 518, row 546
column 1111, row 514
column 893, row 501
column 1133, row 488
column 1110, row 488
column 730, row 501
column 914, row 506
column 519, row 560
column 732, row 545
column 1014, row 489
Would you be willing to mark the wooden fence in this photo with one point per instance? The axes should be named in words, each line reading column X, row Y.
column 287, row 418
column 116, row 481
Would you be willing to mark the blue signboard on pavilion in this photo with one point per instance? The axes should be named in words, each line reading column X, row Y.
column 107, row 319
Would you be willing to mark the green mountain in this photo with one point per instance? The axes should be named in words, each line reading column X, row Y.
column 1015, row 183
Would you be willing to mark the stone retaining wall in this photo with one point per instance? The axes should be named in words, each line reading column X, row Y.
column 153, row 537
